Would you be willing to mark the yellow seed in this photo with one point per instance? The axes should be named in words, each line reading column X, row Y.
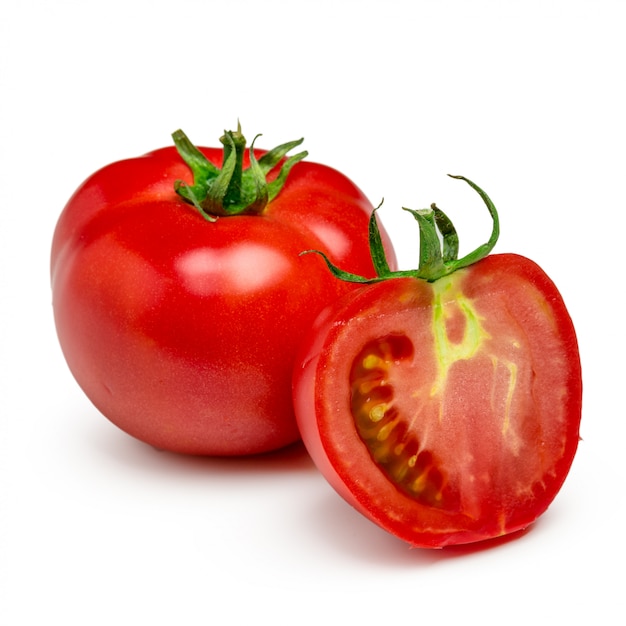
column 378, row 412
column 385, row 431
column 419, row 483
column 399, row 473
column 371, row 361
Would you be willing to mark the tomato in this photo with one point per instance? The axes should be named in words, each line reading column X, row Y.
column 179, row 313
column 444, row 404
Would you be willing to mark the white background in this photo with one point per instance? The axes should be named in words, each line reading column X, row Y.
column 525, row 98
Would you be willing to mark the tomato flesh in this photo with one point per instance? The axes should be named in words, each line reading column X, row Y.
column 445, row 412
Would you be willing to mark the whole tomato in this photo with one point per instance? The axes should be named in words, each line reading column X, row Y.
column 444, row 403
column 180, row 294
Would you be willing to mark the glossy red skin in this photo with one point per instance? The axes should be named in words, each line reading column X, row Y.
column 501, row 467
column 183, row 332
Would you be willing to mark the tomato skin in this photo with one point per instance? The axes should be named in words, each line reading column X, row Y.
column 483, row 371
column 182, row 331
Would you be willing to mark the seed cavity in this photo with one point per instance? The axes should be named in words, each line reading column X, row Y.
column 396, row 450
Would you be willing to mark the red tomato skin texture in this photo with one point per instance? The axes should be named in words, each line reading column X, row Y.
column 489, row 397
column 183, row 332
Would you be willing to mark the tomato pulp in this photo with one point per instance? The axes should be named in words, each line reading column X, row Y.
column 445, row 411
column 182, row 331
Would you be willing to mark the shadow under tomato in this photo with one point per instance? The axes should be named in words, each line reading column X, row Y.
column 350, row 532
column 123, row 449
column 325, row 513
column 289, row 459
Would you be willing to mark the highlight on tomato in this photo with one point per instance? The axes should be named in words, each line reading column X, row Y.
column 180, row 295
column 443, row 403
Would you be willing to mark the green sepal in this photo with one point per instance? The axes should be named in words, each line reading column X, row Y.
column 439, row 246
column 431, row 263
column 377, row 251
column 341, row 274
column 482, row 251
column 448, row 234
column 233, row 190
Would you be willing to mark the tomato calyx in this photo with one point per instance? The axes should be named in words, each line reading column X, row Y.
column 233, row 190
column 439, row 245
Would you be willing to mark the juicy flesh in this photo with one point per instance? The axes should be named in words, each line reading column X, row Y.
column 465, row 394
column 396, row 436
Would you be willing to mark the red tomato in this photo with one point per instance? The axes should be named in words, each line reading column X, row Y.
column 182, row 331
column 445, row 410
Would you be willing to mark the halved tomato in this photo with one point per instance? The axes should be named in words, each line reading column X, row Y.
column 446, row 410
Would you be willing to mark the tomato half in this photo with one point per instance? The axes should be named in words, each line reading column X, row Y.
column 182, row 331
column 445, row 411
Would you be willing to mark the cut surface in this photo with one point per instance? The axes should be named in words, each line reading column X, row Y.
column 458, row 418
